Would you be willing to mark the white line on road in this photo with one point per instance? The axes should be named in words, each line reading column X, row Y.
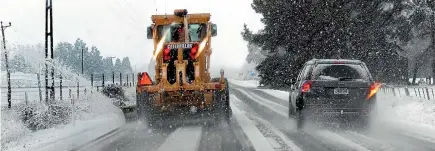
column 254, row 135
column 277, row 108
column 183, row 139
column 286, row 140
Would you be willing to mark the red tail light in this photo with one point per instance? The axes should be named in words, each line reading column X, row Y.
column 166, row 55
column 217, row 86
column 193, row 52
column 374, row 87
column 306, row 86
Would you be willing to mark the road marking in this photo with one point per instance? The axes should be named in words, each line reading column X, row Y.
column 286, row 140
column 254, row 135
column 183, row 139
column 277, row 108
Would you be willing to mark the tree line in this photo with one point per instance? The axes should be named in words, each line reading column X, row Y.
column 69, row 55
column 385, row 34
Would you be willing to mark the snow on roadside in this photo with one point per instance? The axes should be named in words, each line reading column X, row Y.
column 411, row 110
column 94, row 115
column 245, row 83
column 283, row 95
column 130, row 93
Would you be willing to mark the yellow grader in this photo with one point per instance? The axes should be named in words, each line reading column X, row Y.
column 182, row 86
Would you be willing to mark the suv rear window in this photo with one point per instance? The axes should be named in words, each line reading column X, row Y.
column 345, row 72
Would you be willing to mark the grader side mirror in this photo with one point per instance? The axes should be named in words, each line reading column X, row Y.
column 213, row 30
column 149, row 32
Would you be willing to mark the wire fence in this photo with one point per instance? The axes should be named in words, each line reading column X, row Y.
column 31, row 87
column 425, row 92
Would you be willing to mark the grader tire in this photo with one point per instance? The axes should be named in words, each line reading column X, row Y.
column 146, row 112
column 222, row 104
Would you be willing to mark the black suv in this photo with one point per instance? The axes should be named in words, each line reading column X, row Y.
column 331, row 88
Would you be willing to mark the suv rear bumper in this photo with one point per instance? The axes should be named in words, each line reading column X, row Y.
column 338, row 111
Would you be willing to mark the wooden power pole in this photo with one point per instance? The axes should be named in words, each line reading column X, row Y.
column 49, row 90
column 8, row 74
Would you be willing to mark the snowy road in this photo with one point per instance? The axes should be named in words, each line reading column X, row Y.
column 260, row 122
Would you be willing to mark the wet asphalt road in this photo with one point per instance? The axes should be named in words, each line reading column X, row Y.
column 259, row 122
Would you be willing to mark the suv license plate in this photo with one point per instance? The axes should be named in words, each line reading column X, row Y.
column 341, row 91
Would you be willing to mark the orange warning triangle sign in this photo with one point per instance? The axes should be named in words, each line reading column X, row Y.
column 145, row 79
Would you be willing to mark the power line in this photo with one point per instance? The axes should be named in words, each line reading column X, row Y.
column 131, row 7
column 118, row 13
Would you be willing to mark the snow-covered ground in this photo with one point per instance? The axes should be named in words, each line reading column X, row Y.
column 245, row 83
column 413, row 110
column 92, row 116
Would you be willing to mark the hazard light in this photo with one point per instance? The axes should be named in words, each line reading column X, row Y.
column 180, row 12
column 166, row 54
column 194, row 51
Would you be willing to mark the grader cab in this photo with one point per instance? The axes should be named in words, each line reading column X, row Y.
column 182, row 85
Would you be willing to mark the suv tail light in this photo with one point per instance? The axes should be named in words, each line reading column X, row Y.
column 166, row 55
column 374, row 88
column 306, row 86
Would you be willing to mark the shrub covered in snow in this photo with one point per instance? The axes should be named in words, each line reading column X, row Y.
column 11, row 127
column 39, row 116
column 22, row 119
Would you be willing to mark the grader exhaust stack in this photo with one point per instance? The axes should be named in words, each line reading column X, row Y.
column 182, row 83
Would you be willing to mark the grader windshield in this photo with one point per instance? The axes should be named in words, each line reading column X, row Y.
column 172, row 32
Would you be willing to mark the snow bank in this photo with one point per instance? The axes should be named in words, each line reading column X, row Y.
column 283, row 95
column 92, row 116
column 412, row 116
column 245, row 83
column 407, row 109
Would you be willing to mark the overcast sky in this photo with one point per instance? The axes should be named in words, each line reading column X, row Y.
column 118, row 27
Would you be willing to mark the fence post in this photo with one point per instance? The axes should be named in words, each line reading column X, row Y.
column 70, row 93
column 394, row 91
column 407, row 92
column 127, row 80
column 433, row 93
column 26, row 98
column 427, row 93
column 78, row 89
column 113, row 77
column 39, row 87
column 132, row 77
column 120, row 79
column 73, row 111
column 92, row 80
column 103, row 80
column 60, row 88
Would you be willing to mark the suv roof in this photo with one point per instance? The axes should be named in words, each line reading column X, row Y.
column 332, row 61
